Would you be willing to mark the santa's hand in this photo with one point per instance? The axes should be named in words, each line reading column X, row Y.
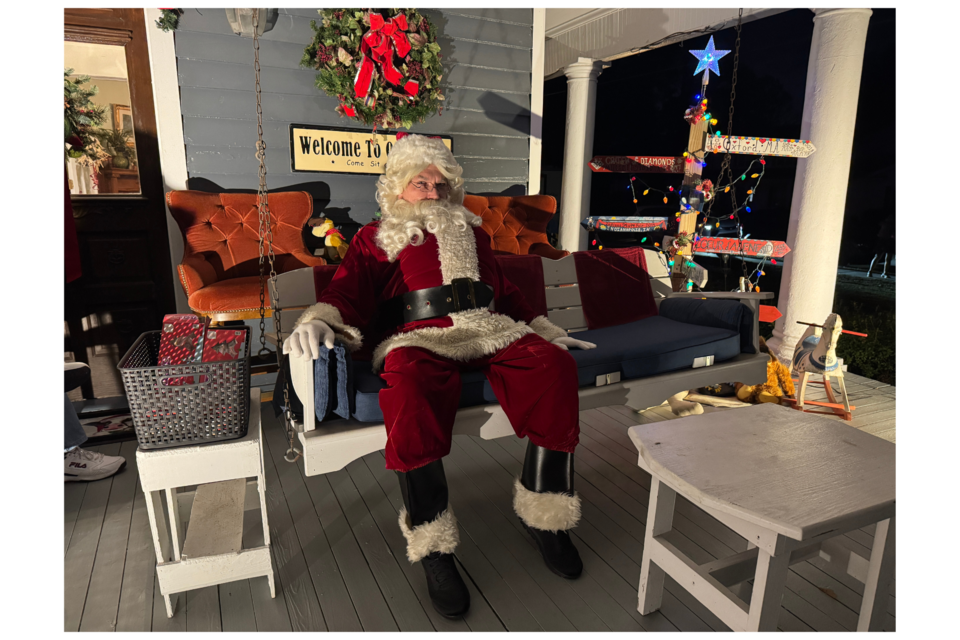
column 565, row 343
column 305, row 340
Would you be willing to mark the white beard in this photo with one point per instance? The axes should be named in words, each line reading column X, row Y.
column 408, row 221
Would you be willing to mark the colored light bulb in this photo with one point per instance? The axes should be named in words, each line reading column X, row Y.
column 643, row 239
column 756, row 175
column 762, row 161
column 656, row 244
column 671, row 188
column 749, row 191
column 714, row 122
column 743, row 177
column 685, row 154
column 664, row 200
column 594, row 243
column 727, row 189
column 601, row 247
column 731, row 216
column 696, row 97
column 634, row 201
column 748, row 209
column 772, row 261
column 757, row 289
column 646, row 191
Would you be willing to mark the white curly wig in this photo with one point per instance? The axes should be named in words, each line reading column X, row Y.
column 403, row 223
column 408, row 157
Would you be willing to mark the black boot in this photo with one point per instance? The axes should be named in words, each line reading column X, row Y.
column 428, row 524
column 548, row 507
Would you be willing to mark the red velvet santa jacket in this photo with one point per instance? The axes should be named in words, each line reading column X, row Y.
column 367, row 277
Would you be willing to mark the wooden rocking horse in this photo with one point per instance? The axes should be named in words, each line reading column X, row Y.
column 816, row 355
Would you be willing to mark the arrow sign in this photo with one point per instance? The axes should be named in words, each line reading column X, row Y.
column 759, row 146
column 769, row 314
column 618, row 223
column 636, row 164
column 753, row 248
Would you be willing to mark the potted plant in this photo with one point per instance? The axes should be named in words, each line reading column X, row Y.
column 115, row 142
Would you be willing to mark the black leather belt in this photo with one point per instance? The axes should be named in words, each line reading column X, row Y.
column 462, row 294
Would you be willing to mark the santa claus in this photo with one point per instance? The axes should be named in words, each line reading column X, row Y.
column 424, row 283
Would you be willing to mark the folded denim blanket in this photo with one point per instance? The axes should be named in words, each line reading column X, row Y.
column 333, row 382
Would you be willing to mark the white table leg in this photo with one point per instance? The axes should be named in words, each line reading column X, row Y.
column 659, row 521
column 176, row 525
column 161, row 541
column 767, row 591
column 743, row 589
column 875, row 589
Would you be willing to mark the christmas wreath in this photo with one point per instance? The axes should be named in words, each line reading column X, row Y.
column 382, row 65
column 169, row 19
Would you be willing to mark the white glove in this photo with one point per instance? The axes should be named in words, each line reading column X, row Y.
column 305, row 340
column 566, row 342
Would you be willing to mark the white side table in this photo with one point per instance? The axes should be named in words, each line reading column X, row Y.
column 789, row 483
column 212, row 551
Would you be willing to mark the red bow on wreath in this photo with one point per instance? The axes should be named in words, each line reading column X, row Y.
column 378, row 46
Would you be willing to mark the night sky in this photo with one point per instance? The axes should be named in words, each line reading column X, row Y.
column 641, row 100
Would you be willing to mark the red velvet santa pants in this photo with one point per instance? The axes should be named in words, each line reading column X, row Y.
column 535, row 382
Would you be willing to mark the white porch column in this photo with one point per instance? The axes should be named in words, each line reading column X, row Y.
column 577, row 150
column 820, row 188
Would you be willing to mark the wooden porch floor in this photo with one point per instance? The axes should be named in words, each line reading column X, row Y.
column 340, row 563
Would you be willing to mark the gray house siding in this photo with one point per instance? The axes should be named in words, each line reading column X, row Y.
column 487, row 62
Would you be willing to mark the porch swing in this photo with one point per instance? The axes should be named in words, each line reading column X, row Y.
column 723, row 334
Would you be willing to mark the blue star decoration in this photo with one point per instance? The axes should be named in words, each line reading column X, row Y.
column 708, row 58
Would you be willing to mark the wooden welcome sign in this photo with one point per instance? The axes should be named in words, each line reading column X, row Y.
column 316, row 149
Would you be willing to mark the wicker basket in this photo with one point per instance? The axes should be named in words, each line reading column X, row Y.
column 170, row 415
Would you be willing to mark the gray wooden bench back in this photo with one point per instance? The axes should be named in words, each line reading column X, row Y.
column 564, row 308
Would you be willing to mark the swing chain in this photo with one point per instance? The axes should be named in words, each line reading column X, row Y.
column 733, row 96
column 265, row 233
column 726, row 173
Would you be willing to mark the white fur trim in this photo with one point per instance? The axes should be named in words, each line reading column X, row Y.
column 546, row 329
column 440, row 535
column 328, row 313
column 546, row 511
column 474, row 334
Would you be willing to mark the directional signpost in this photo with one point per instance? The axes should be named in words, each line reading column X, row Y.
column 633, row 224
column 752, row 248
column 783, row 147
column 636, row 164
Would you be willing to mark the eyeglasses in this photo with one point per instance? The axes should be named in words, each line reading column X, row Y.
column 426, row 187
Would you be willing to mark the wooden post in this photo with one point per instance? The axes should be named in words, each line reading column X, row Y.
column 688, row 221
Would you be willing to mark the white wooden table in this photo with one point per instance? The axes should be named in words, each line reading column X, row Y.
column 212, row 551
column 789, row 483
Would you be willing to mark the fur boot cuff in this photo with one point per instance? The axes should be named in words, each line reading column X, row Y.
column 546, row 511
column 440, row 535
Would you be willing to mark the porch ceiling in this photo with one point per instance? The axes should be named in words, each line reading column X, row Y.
column 608, row 34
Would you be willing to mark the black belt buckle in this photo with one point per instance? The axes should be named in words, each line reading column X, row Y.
column 464, row 296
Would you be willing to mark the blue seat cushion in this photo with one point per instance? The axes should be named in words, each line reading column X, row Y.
column 649, row 347
column 713, row 312
column 637, row 349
